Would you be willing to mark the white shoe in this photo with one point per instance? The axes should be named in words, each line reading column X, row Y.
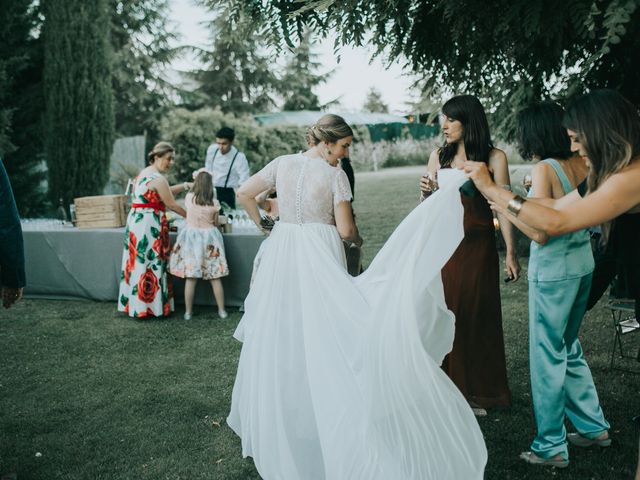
column 223, row 314
column 187, row 316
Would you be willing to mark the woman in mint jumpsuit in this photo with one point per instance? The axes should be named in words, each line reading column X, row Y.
column 560, row 272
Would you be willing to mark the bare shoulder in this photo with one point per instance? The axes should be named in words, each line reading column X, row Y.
column 160, row 179
column 497, row 157
column 540, row 168
column 543, row 179
column 434, row 160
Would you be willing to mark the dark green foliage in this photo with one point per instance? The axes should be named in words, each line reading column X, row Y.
column 509, row 53
column 21, row 62
column 79, row 119
column 192, row 132
column 140, row 40
column 619, row 68
column 238, row 76
column 299, row 79
column 5, row 112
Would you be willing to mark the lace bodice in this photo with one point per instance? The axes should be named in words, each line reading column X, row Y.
column 308, row 188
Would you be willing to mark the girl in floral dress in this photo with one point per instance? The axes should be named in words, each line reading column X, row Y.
column 145, row 288
column 199, row 249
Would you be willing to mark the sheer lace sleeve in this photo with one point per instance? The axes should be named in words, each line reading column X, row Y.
column 341, row 188
column 269, row 172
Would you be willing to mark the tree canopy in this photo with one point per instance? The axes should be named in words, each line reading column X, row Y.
column 141, row 38
column 21, row 63
column 238, row 75
column 300, row 78
column 507, row 52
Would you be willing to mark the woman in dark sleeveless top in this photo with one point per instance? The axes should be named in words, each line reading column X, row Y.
column 471, row 278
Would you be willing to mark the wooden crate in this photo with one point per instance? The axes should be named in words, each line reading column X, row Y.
column 101, row 211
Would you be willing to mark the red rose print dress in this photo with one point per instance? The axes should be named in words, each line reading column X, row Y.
column 145, row 288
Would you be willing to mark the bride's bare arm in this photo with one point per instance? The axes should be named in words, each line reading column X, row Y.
column 345, row 223
column 247, row 194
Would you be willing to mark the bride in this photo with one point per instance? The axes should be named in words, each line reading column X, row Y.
column 339, row 378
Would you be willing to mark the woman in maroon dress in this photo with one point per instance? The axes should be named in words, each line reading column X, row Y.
column 476, row 363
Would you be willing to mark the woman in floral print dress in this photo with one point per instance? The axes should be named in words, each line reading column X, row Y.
column 145, row 289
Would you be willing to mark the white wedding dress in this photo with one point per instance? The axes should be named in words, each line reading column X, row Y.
column 339, row 377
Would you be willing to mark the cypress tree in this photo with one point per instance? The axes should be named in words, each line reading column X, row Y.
column 79, row 119
column 21, row 61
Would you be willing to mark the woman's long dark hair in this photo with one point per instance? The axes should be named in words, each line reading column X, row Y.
column 203, row 191
column 539, row 132
column 468, row 110
column 608, row 126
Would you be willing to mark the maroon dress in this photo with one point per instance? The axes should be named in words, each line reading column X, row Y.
column 471, row 287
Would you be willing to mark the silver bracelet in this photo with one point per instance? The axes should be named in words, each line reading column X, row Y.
column 515, row 205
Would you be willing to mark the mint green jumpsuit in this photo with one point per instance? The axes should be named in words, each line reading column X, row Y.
column 561, row 383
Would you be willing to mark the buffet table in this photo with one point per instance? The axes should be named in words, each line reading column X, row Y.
column 86, row 263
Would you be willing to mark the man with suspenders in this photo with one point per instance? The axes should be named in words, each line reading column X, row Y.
column 228, row 166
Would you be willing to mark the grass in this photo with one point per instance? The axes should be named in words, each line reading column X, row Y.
column 100, row 396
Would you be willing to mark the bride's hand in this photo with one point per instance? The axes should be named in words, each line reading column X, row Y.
column 479, row 173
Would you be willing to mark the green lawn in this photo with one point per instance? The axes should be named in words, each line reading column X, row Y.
column 100, row 396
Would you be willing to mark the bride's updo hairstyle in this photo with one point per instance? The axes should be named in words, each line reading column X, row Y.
column 159, row 150
column 330, row 128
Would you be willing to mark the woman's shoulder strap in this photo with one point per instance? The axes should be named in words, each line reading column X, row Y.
column 564, row 180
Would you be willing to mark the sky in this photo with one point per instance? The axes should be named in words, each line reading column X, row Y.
column 352, row 77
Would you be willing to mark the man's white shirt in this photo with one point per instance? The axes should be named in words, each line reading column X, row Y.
column 219, row 166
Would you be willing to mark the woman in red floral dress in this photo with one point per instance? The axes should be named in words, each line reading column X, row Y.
column 145, row 289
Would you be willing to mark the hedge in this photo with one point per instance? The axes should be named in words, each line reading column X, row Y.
column 191, row 133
